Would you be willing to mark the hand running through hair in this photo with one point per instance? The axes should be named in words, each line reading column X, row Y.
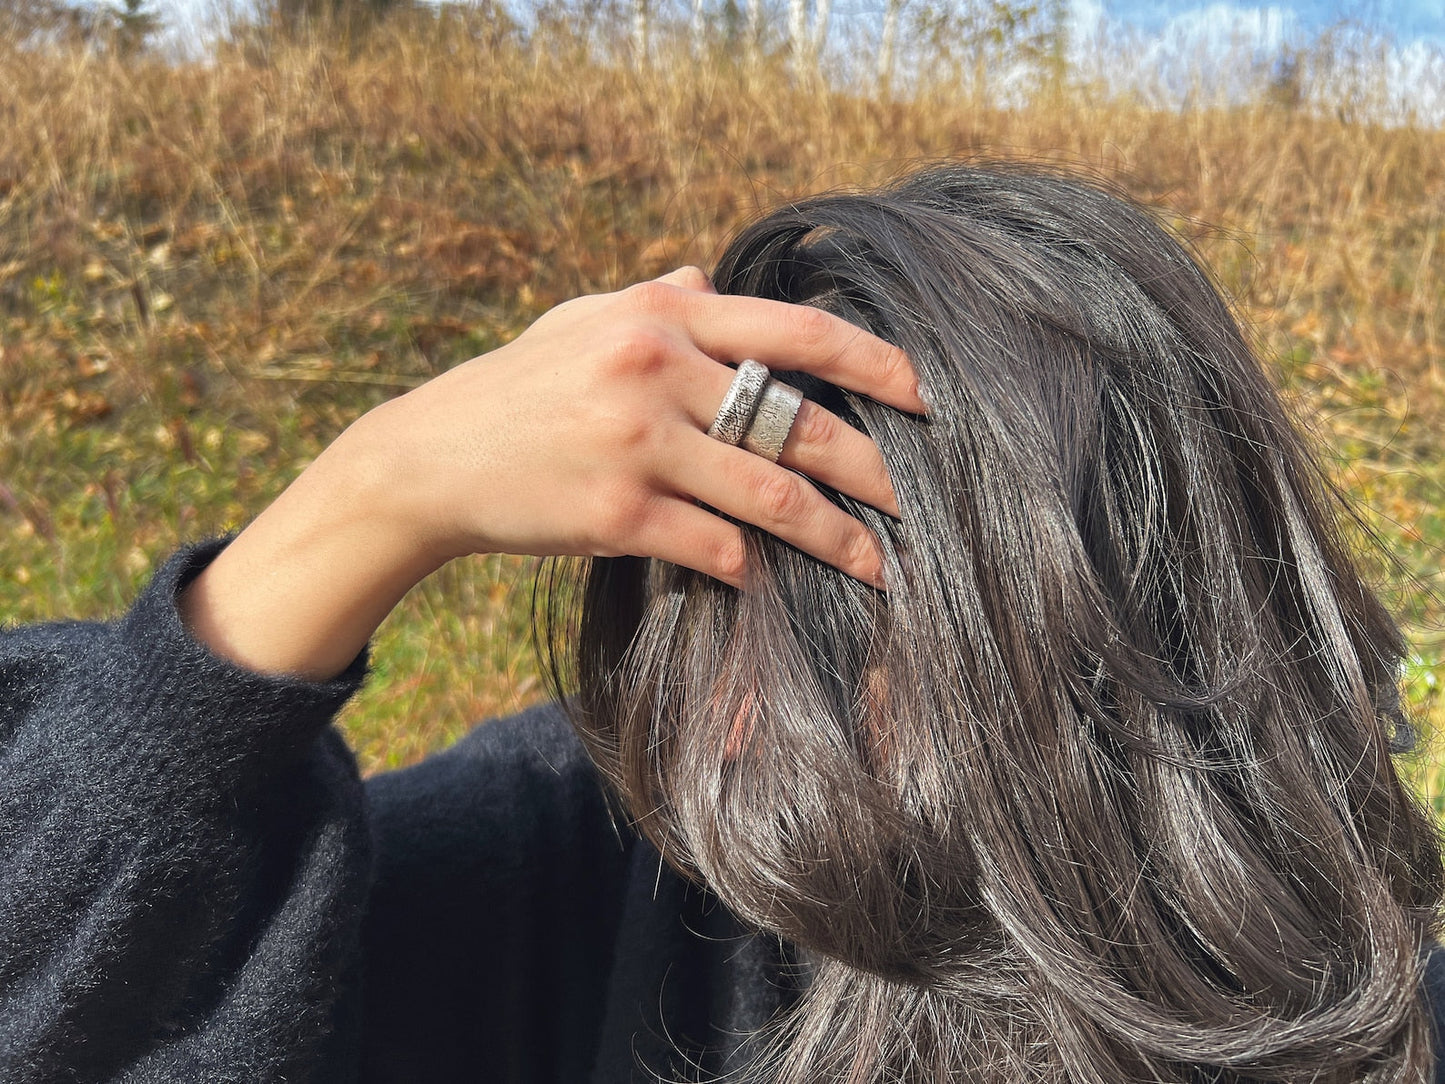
column 586, row 435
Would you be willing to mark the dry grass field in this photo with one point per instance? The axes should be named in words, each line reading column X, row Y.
column 208, row 269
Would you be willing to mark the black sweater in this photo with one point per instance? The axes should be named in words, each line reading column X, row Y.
column 196, row 886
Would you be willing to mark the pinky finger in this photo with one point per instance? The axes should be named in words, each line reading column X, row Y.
column 684, row 534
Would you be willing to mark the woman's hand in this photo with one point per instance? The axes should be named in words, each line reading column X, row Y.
column 585, row 435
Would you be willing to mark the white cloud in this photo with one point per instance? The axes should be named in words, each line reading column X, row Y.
column 1226, row 52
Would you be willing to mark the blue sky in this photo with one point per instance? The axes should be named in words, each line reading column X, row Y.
column 1165, row 36
column 1223, row 47
column 1406, row 20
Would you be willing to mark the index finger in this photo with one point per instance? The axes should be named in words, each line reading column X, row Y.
column 803, row 338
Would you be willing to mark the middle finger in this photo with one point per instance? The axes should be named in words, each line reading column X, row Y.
column 787, row 336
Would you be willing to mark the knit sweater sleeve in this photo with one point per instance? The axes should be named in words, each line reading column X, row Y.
column 184, row 857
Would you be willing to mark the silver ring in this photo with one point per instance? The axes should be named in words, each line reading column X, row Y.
column 740, row 403
column 773, row 420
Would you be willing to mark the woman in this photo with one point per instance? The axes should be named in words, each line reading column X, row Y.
column 1044, row 736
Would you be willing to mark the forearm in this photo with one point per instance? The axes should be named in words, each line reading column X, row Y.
column 187, row 856
column 303, row 588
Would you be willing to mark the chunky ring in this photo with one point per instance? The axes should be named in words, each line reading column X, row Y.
column 773, row 420
column 740, row 403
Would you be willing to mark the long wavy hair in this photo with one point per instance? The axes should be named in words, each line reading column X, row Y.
column 1101, row 788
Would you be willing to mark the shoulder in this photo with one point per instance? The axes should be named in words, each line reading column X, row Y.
column 538, row 739
column 521, row 775
column 496, row 858
column 1435, row 994
column 511, row 806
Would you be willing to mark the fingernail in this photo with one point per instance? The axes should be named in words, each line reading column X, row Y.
column 918, row 393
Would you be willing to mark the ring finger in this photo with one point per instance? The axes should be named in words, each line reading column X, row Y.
column 820, row 444
column 782, row 502
column 826, row 448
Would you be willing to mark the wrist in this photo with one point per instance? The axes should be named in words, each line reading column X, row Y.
column 375, row 470
column 303, row 588
column 365, row 486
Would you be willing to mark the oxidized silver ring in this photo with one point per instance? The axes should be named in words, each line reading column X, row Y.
column 740, row 403
column 773, row 420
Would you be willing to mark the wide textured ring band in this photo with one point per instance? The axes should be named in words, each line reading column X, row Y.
column 757, row 411
column 773, row 420
column 740, row 403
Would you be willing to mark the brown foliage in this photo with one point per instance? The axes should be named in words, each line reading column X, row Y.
column 291, row 225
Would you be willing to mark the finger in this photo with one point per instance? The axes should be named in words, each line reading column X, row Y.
column 829, row 450
column 689, row 278
column 820, row 444
column 781, row 502
column 681, row 533
column 789, row 337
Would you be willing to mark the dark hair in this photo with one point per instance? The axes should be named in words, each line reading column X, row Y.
column 1101, row 788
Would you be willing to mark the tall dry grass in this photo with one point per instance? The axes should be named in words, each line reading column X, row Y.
column 207, row 269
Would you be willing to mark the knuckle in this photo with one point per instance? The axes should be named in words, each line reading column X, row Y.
column 859, row 551
column 694, row 277
column 814, row 327
column 639, row 349
column 782, row 496
column 652, row 297
column 621, row 516
column 629, row 433
column 892, row 365
column 730, row 557
column 815, row 427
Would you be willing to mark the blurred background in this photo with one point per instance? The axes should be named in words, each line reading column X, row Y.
column 227, row 232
